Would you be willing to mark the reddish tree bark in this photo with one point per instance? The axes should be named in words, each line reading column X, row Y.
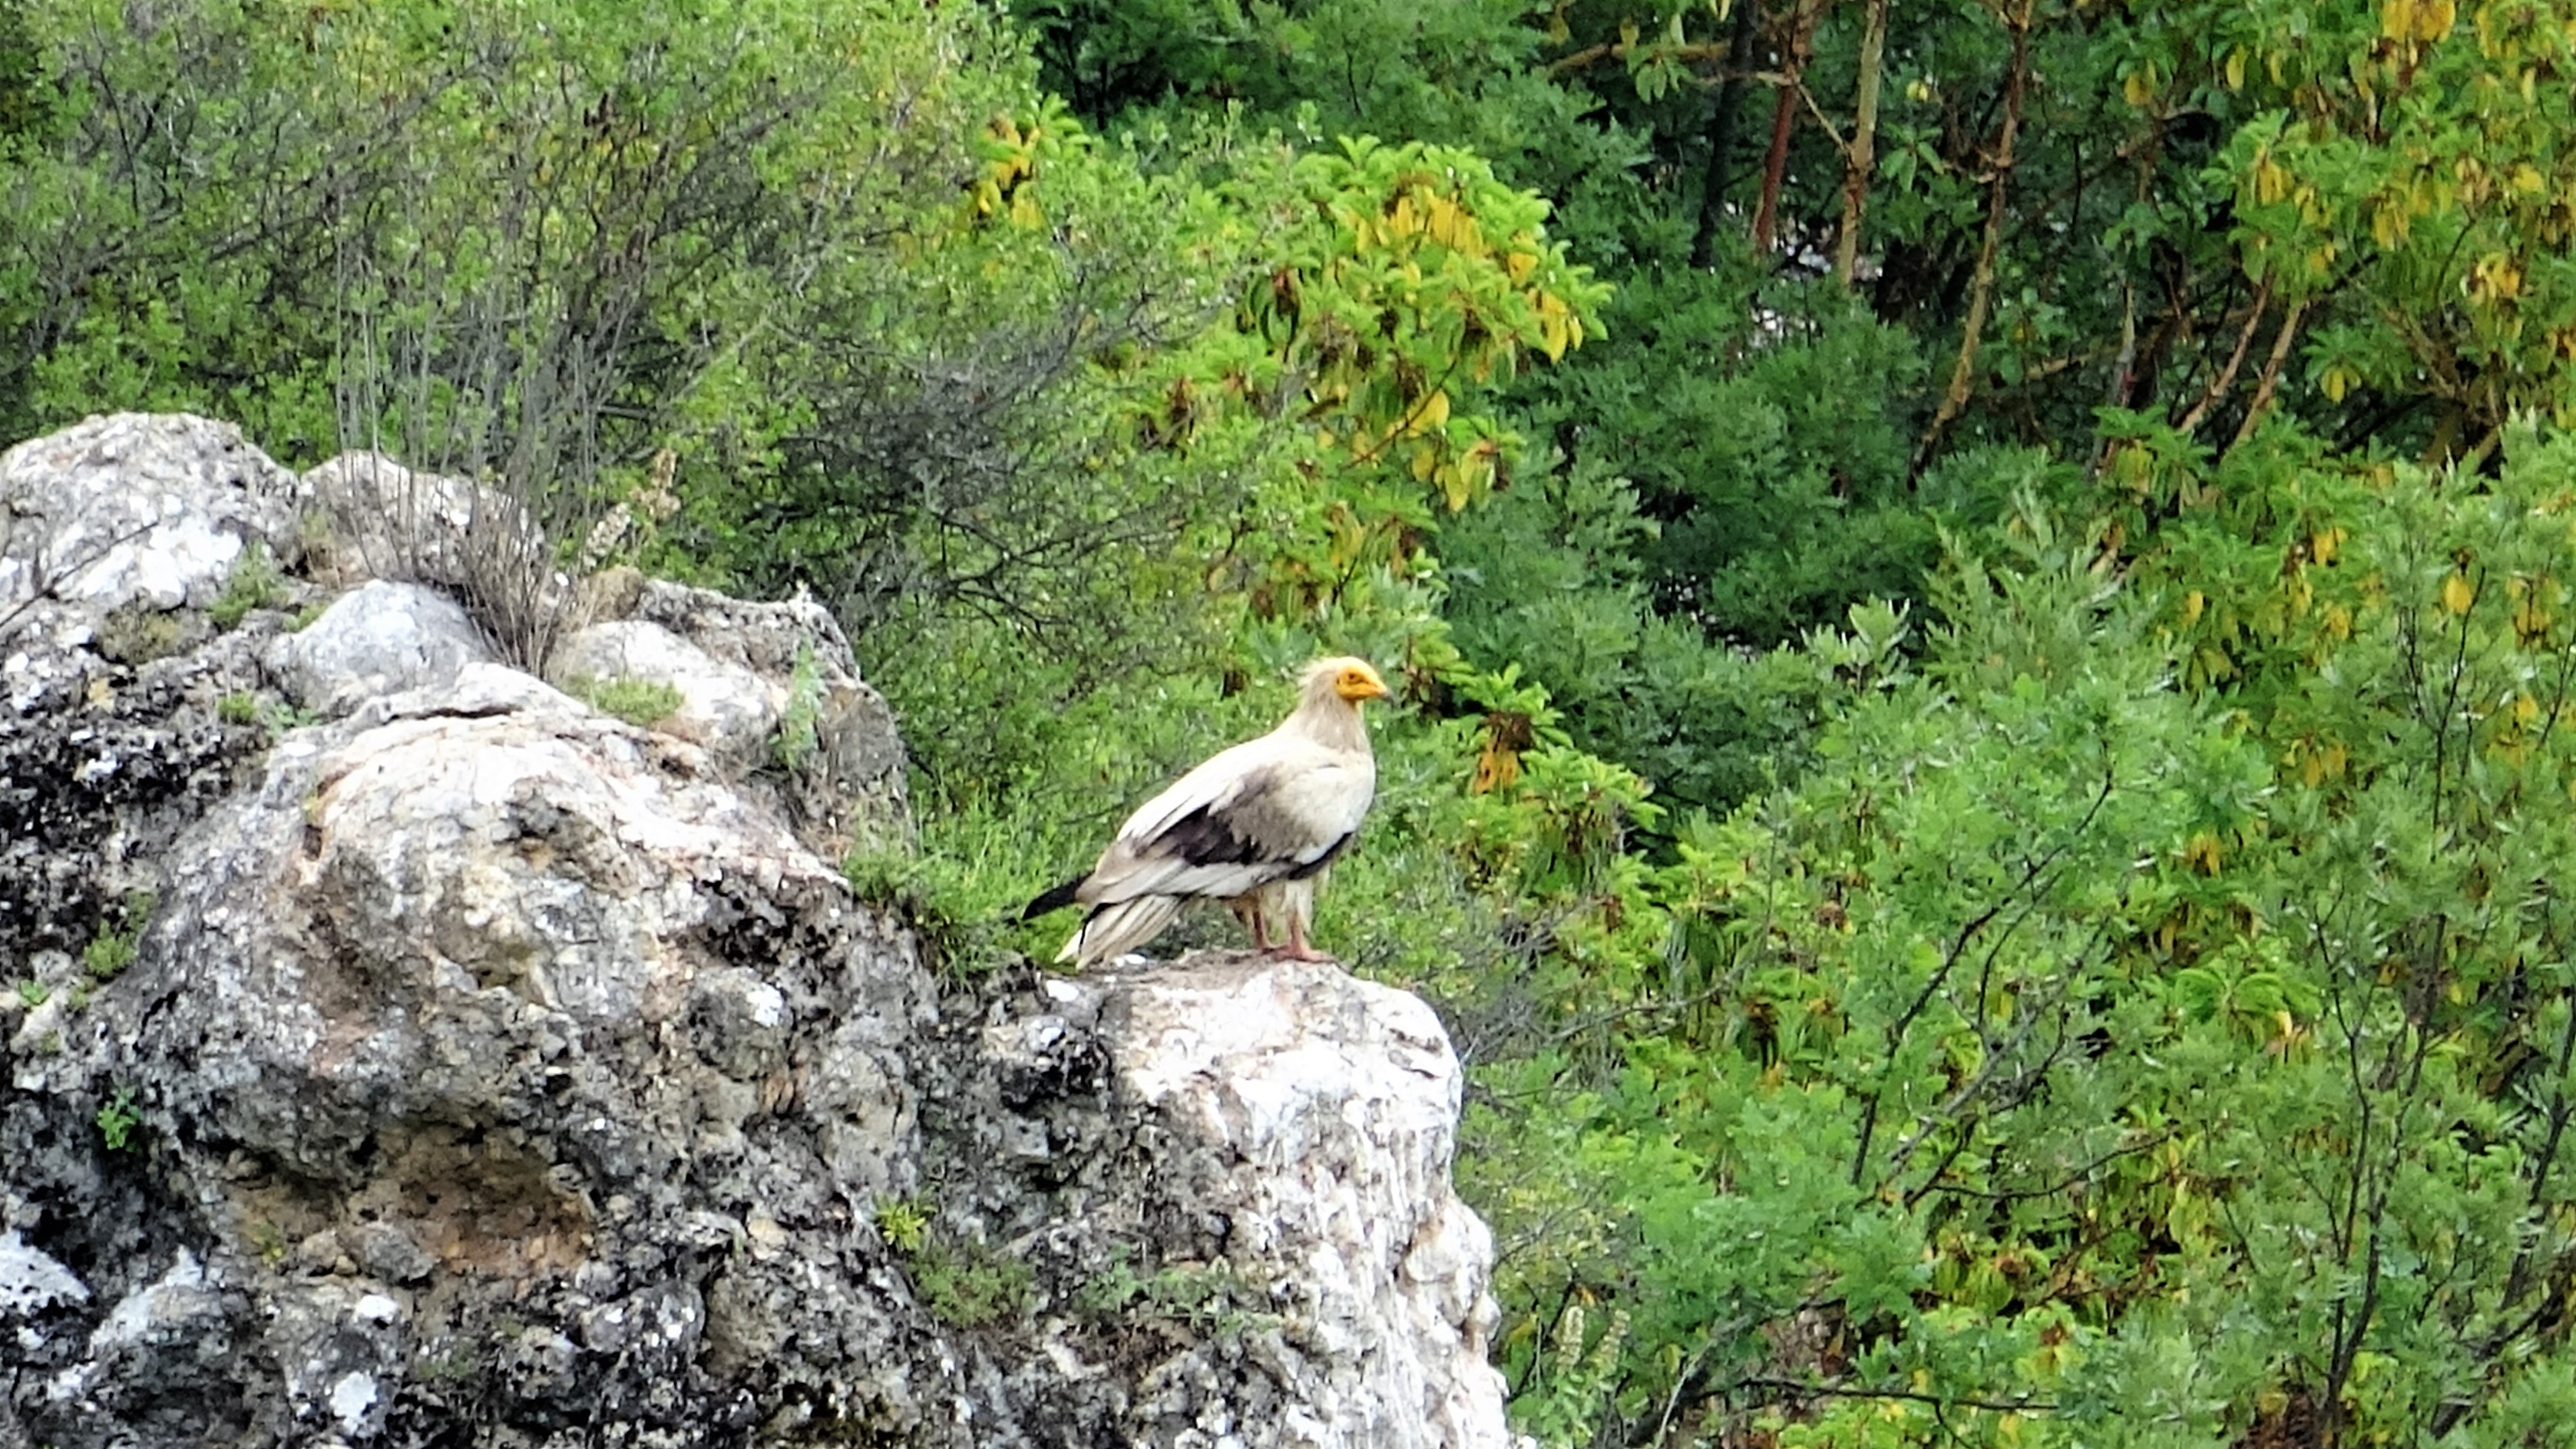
column 1784, row 117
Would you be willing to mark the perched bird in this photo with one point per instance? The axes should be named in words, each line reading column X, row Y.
column 1253, row 826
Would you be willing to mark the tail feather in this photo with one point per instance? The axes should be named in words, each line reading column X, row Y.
column 1119, row 927
column 1055, row 899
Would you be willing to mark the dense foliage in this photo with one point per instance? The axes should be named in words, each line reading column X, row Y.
column 1978, row 590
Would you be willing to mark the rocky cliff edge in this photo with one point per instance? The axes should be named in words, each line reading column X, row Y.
column 396, row 1049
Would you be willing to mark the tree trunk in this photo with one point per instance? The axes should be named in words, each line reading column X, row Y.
column 1862, row 153
column 1775, row 166
column 1981, row 287
column 1722, row 126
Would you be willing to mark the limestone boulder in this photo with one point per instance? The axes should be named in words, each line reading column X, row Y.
column 136, row 509
column 375, row 640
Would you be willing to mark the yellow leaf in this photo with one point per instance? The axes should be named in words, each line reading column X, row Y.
column 2433, row 19
column 2324, row 544
column 2203, row 852
column 1552, row 328
column 1425, row 458
column 2236, row 69
column 2193, row 604
column 1519, row 264
column 2397, row 19
column 2271, row 183
column 1443, row 222
column 1456, row 486
column 2140, row 87
column 2457, row 594
column 1434, row 412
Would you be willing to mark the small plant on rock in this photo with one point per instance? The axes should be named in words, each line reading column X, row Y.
column 118, row 1118
column 904, row 1224
column 255, row 583
column 640, row 702
column 971, row 1285
column 113, row 948
column 799, row 734
column 281, row 716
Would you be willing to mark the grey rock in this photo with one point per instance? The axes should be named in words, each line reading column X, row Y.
column 380, row 638
column 837, row 735
column 391, row 1252
column 724, row 707
column 135, row 509
column 1272, row 1139
column 31, row 1281
column 382, row 520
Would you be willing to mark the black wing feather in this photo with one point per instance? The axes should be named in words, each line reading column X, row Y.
column 1054, row 899
column 1202, row 838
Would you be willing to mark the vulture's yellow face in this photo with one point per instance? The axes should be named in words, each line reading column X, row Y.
column 1354, row 680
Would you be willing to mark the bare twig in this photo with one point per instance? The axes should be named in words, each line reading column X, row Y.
column 2271, row 374
column 2226, row 378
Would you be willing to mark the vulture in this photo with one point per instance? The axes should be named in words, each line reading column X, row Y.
column 1254, row 826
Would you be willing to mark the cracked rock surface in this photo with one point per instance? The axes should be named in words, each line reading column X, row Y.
column 395, row 1050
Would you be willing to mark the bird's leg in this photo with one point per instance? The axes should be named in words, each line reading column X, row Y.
column 1298, row 950
column 1248, row 914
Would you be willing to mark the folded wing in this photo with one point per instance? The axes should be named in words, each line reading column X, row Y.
column 1246, row 816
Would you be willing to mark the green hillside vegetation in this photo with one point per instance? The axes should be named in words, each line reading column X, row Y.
column 1979, row 592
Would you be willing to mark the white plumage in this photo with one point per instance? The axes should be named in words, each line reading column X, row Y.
column 1255, row 826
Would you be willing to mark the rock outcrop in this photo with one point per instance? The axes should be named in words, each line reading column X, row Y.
column 399, row 1049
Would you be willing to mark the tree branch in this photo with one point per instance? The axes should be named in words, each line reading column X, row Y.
column 1861, row 154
